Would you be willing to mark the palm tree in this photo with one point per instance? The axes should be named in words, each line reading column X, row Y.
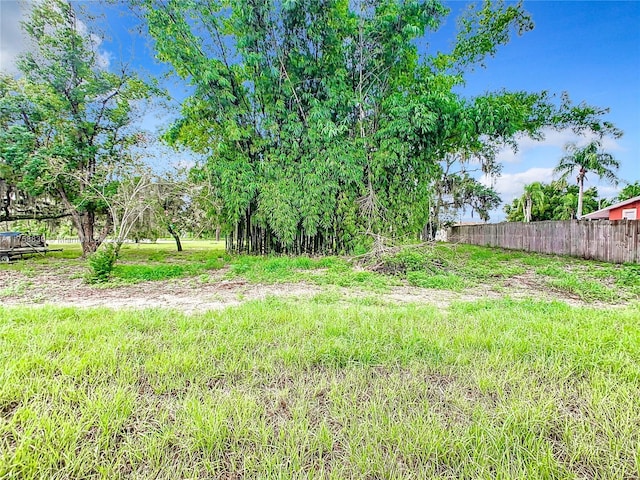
column 587, row 159
column 533, row 196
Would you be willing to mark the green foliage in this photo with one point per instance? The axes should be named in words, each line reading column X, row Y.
column 455, row 191
column 321, row 122
column 629, row 191
column 555, row 201
column 102, row 264
column 558, row 200
column 67, row 121
column 413, row 259
column 587, row 159
column 533, row 195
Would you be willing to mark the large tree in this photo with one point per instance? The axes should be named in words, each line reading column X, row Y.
column 590, row 158
column 68, row 119
column 322, row 120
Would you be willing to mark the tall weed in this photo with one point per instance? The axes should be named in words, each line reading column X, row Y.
column 101, row 264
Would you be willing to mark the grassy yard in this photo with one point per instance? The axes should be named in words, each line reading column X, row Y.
column 276, row 389
column 328, row 386
column 442, row 267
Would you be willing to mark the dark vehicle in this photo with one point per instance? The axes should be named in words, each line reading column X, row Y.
column 16, row 244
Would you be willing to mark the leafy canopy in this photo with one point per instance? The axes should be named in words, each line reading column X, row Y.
column 589, row 158
column 67, row 122
column 553, row 201
column 321, row 120
column 629, row 191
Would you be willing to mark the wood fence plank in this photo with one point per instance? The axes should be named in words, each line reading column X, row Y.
column 614, row 241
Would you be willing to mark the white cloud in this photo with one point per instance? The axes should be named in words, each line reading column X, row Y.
column 511, row 185
column 608, row 191
column 103, row 59
column 14, row 42
column 553, row 139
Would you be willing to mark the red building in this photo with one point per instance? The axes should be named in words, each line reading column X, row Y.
column 628, row 209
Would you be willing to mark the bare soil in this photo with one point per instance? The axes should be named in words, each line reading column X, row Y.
column 67, row 288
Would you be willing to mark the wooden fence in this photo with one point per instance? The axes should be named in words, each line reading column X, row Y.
column 610, row 241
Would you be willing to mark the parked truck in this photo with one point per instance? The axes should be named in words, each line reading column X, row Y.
column 16, row 244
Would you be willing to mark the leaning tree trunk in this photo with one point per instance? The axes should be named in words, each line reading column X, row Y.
column 175, row 236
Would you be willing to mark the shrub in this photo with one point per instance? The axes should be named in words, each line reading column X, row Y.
column 412, row 259
column 101, row 264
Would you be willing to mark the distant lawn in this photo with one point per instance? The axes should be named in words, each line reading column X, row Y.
column 316, row 389
column 443, row 267
column 440, row 267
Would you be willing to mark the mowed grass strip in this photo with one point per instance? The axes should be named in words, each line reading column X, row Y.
column 275, row 389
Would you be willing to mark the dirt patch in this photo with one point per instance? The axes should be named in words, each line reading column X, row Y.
column 186, row 294
column 216, row 292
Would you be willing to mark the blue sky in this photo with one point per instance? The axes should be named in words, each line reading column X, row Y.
column 591, row 49
column 587, row 48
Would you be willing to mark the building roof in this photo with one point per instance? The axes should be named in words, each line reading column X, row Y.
column 604, row 213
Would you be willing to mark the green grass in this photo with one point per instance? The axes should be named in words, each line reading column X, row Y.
column 443, row 267
column 455, row 268
column 145, row 261
column 149, row 262
column 340, row 385
column 437, row 281
column 583, row 289
column 136, row 273
column 316, row 389
column 318, row 270
column 17, row 289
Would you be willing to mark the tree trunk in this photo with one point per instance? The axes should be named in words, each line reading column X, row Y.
column 580, row 192
column 433, row 224
column 175, row 236
column 528, row 209
column 85, row 223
